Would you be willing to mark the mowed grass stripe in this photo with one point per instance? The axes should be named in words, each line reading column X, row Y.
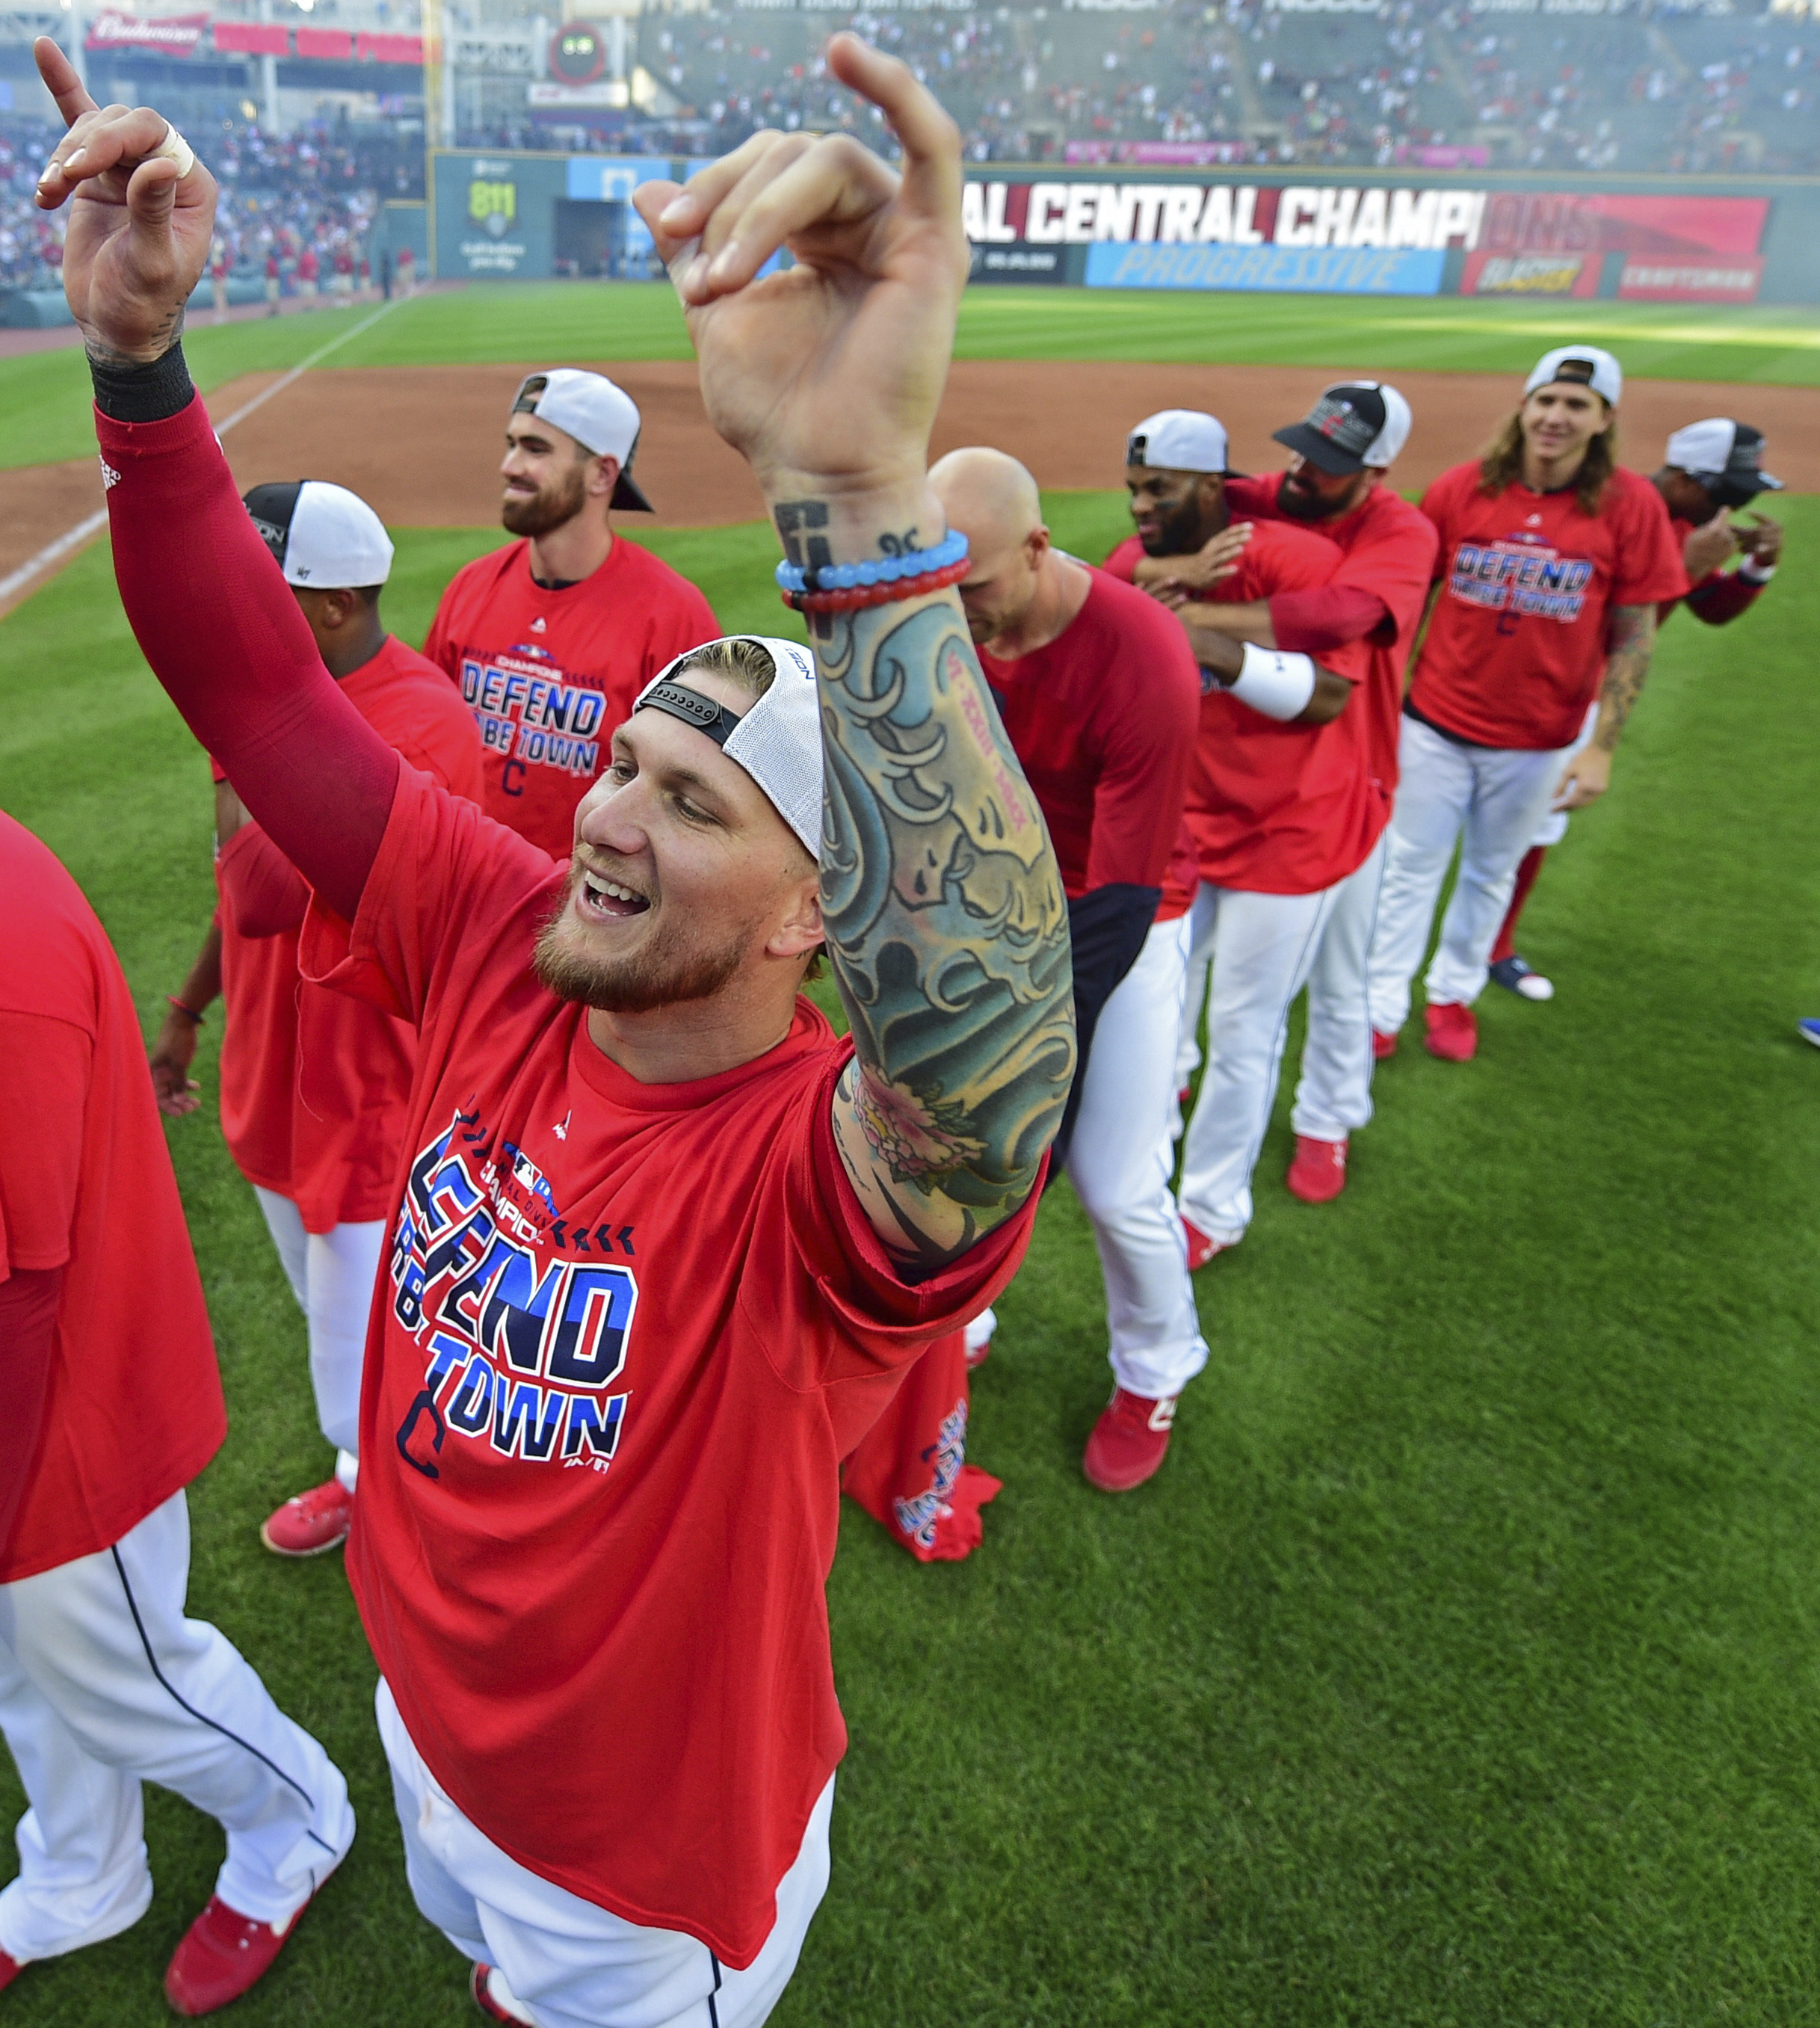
column 1458, row 1669
column 44, row 396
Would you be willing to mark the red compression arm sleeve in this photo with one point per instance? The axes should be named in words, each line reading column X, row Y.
column 1722, row 596
column 28, row 1300
column 1317, row 621
column 265, row 892
column 224, row 636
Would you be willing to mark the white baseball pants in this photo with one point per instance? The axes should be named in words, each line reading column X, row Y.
column 1119, row 1163
column 1262, row 948
column 566, row 1963
column 331, row 1274
column 105, row 1683
column 1333, row 1097
column 1553, row 827
column 1489, row 800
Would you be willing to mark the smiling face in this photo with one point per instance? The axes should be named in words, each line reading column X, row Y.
column 1175, row 512
column 686, row 882
column 549, row 478
column 1560, row 420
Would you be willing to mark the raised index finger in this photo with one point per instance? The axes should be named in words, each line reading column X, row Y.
column 61, row 82
column 931, row 141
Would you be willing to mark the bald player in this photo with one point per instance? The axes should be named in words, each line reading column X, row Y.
column 1101, row 698
column 1712, row 469
column 551, row 637
column 314, row 1086
column 1341, row 457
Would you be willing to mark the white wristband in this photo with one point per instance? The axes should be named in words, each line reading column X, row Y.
column 1279, row 685
column 1755, row 573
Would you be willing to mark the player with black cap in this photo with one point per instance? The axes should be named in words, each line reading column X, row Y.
column 1375, row 595
column 551, row 637
column 1711, row 470
column 313, row 1084
column 1553, row 561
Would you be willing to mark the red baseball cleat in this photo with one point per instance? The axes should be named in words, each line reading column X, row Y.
column 1453, row 1031
column 1129, row 1442
column 481, row 1984
column 314, row 1521
column 221, row 1955
column 1382, row 1045
column 1201, row 1248
column 10, row 1968
column 1318, row 1174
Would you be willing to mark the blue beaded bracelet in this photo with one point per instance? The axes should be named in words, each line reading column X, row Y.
column 884, row 570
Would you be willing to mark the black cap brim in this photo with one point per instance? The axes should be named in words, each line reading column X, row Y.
column 1318, row 449
column 626, row 494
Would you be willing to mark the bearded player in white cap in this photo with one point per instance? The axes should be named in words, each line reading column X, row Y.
column 1711, row 470
column 663, row 1246
column 313, row 1086
column 551, row 637
column 1553, row 561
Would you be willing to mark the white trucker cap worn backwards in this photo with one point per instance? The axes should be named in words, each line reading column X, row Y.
column 1178, row 440
column 1596, row 369
column 325, row 538
column 597, row 413
column 778, row 741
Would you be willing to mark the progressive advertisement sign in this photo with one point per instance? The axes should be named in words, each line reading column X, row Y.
column 1366, row 240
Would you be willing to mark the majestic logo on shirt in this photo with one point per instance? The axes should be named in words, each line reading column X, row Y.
column 526, row 711
column 1520, row 574
column 520, row 1349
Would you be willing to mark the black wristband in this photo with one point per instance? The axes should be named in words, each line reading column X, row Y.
column 143, row 393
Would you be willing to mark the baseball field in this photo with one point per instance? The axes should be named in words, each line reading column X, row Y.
column 1462, row 1667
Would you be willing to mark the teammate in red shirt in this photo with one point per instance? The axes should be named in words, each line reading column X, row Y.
column 551, row 637
column 663, row 1246
column 1552, row 562
column 313, row 1087
column 1101, row 697
column 1281, row 806
column 1713, row 468
column 113, row 1404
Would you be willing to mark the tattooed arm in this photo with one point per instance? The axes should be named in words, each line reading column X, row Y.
column 946, row 923
column 942, row 901
column 1633, row 641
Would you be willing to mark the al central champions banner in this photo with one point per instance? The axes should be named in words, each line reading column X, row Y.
column 1370, row 239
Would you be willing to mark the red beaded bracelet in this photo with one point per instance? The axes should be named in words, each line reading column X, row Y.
column 182, row 1009
column 860, row 596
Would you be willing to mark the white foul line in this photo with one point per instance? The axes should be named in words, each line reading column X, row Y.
column 73, row 538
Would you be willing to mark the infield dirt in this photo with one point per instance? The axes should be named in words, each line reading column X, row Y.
column 421, row 443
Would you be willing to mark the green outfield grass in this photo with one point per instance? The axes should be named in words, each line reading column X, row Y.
column 43, row 395
column 1462, row 1668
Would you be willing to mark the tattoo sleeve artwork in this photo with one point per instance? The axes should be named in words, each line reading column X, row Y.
column 946, row 925
column 1633, row 643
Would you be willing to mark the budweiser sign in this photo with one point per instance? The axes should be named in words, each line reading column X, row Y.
column 166, row 34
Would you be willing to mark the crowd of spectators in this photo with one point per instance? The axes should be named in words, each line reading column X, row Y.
column 1647, row 87
column 307, row 200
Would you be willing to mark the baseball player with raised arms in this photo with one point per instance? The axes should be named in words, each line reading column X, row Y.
column 1342, row 451
column 551, row 637
column 313, row 1084
column 113, row 1405
column 1281, row 809
column 1553, row 559
column 1713, row 469
column 1101, row 697
column 663, row 1246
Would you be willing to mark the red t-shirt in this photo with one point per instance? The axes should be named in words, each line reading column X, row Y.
column 1275, row 808
column 133, row 1410
column 1102, row 720
column 1517, row 645
column 314, row 1085
column 1387, row 547
column 627, row 1334
column 551, row 675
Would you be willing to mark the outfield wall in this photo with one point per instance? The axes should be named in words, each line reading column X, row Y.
column 1636, row 239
